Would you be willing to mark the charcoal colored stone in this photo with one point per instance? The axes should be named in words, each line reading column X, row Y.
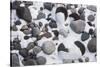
column 56, row 33
column 80, row 46
column 87, row 59
column 30, row 46
column 28, row 3
column 14, row 60
column 48, row 6
column 78, row 26
column 35, row 31
column 63, row 10
column 24, row 27
column 47, row 35
column 91, row 31
column 82, row 16
column 18, row 22
column 90, row 24
column 53, row 24
column 92, row 45
column 15, row 4
column 81, row 10
column 24, row 13
column 41, row 60
column 80, row 60
column 41, row 16
column 91, row 18
column 23, row 52
column 75, row 16
column 48, row 47
column 26, row 37
column 14, row 28
column 84, row 36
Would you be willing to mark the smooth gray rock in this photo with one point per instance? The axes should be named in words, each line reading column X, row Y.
column 92, row 45
column 30, row 46
column 36, row 49
column 41, row 60
column 91, row 18
column 48, row 47
column 92, row 8
column 78, row 26
column 84, row 36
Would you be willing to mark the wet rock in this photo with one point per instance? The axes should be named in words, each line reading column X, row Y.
column 24, row 13
column 91, row 18
column 36, row 49
column 92, row 45
column 62, row 10
column 23, row 52
column 40, row 16
column 84, row 36
column 48, row 6
column 63, row 32
column 48, row 47
column 80, row 46
column 30, row 46
column 14, row 60
column 29, row 62
column 77, row 26
column 18, row 22
column 75, row 16
column 92, row 8
column 41, row 60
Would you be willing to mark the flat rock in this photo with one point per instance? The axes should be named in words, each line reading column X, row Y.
column 48, row 47
column 78, row 26
column 92, row 45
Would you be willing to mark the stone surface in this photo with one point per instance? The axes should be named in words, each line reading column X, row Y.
column 92, row 45
column 23, row 52
column 30, row 46
column 41, row 60
column 53, row 24
column 48, row 47
column 92, row 8
column 78, row 26
column 75, row 16
column 36, row 49
column 84, row 36
column 48, row 6
column 91, row 18
column 41, row 16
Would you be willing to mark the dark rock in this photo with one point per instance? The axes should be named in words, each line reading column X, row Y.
column 61, row 47
column 40, row 24
column 87, row 59
column 26, row 37
column 80, row 46
column 48, row 6
column 84, row 36
column 28, row 3
column 53, row 24
column 55, row 38
column 30, row 46
column 24, row 27
column 92, row 45
column 24, row 13
column 80, row 60
column 91, row 18
column 47, row 35
column 14, row 28
column 92, row 8
column 36, row 49
column 75, row 16
column 18, row 22
column 23, row 52
column 29, row 62
column 78, row 26
column 82, row 16
column 56, row 33
column 15, row 4
column 91, row 31
column 41, row 60
column 63, row 10
column 14, row 60
column 90, row 24
column 81, row 10
column 41, row 8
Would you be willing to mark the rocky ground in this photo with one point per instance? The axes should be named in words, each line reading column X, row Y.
column 52, row 33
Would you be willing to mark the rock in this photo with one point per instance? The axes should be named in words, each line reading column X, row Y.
column 67, row 61
column 35, row 31
column 40, row 24
column 15, row 4
column 92, row 45
column 90, row 24
column 47, row 35
column 91, row 18
column 62, row 10
column 81, row 10
column 73, row 10
column 24, row 13
column 87, row 59
column 68, row 6
column 80, row 60
column 30, row 46
column 26, row 37
column 48, row 47
column 23, row 52
column 75, row 16
column 36, row 49
column 92, row 8
column 82, row 16
column 14, row 28
column 91, row 31
column 18, row 22
column 41, row 60
column 48, row 6
column 63, row 32
column 26, row 32
column 41, row 16
column 61, row 47
column 24, row 27
column 28, row 3
column 53, row 24
column 14, row 60
column 80, row 46
column 56, row 33
column 84, row 36
column 29, row 62
column 78, row 26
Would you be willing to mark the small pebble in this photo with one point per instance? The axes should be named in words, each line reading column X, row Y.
column 91, row 18
column 84, row 36
column 30, row 46
column 41, row 60
column 23, row 52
